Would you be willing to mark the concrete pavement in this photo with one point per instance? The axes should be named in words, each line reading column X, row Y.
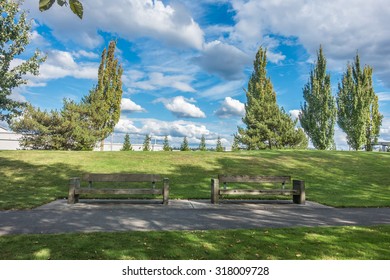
column 111, row 215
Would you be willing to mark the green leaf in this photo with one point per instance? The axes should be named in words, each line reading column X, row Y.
column 61, row 2
column 77, row 8
column 45, row 4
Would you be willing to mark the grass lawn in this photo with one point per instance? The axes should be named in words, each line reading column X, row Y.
column 341, row 179
column 338, row 243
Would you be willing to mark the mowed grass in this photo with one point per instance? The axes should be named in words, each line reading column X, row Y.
column 332, row 243
column 341, row 179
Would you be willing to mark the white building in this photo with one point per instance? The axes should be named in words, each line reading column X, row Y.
column 9, row 140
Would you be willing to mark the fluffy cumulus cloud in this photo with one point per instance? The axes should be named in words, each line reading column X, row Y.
column 231, row 108
column 340, row 26
column 171, row 24
column 294, row 113
column 127, row 105
column 222, row 59
column 160, row 128
column 182, row 107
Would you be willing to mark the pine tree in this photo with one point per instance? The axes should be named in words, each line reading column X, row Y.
column 202, row 145
column 15, row 34
column 146, row 145
column 184, row 146
column 235, row 145
column 166, row 146
column 219, row 147
column 267, row 126
column 105, row 98
column 126, row 143
column 318, row 113
column 357, row 107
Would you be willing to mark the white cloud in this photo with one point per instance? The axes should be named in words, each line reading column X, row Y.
column 128, row 105
column 383, row 96
column 138, row 80
column 60, row 64
column 224, row 60
column 294, row 113
column 182, row 107
column 85, row 54
column 156, row 127
column 171, row 24
column 231, row 108
column 342, row 27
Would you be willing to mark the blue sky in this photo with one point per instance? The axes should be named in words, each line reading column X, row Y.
column 186, row 62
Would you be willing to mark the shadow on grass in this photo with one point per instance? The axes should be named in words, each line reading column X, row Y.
column 295, row 243
column 27, row 185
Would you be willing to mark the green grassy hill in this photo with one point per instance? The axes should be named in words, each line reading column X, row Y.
column 342, row 179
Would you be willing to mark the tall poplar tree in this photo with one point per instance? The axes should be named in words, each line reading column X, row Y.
column 318, row 113
column 357, row 107
column 104, row 99
column 14, row 37
column 267, row 126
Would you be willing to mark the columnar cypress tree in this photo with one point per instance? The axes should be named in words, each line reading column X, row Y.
column 146, row 145
column 126, row 143
column 184, row 146
column 267, row 126
column 105, row 98
column 235, row 145
column 166, row 146
column 357, row 105
column 202, row 145
column 219, row 147
column 318, row 113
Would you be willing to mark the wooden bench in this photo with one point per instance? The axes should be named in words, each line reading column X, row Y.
column 297, row 191
column 75, row 190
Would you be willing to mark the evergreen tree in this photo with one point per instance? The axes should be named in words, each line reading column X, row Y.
column 357, row 107
column 55, row 130
column 184, row 146
column 15, row 33
column 126, row 143
column 105, row 98
column 236, row 142
column 166, row 146
column 318, row 113
column 267, row 126
column 202, row 145
column 219, row 147
column 146, row 145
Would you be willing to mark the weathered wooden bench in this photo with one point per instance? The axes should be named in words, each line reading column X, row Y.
column 297, row 191
column 75, row 190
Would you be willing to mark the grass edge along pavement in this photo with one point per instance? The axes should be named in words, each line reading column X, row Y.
column 334, row 178
column 338, row 243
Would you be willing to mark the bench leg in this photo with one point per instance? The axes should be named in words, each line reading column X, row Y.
column 165, row 191
column 74, row 183
column 214, row 191
column 300, row 187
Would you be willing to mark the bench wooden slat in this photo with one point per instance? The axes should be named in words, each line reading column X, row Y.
column 95, row 177
column 253, row 179
column 259, row 192
column 117, row 191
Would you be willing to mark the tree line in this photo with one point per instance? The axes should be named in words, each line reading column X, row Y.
column 146, row 146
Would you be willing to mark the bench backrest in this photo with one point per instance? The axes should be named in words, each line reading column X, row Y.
column 94, row 177
column 253, row 179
